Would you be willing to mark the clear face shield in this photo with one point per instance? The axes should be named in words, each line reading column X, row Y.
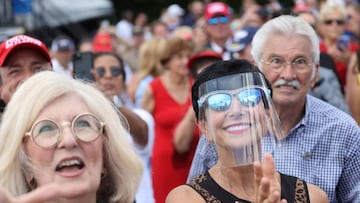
column 237, row 114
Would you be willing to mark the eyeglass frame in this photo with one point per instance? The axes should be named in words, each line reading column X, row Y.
column 339, row 22
column 284, row 63
column 60, row 128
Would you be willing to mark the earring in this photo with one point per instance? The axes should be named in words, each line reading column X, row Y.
column 32, row 183
column 103, row 173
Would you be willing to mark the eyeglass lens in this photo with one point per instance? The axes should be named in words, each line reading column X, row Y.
column 222, row 101
column 47, row 133
column 300, row 64
column 217, row 20
column 337, row 21
column 115, row 71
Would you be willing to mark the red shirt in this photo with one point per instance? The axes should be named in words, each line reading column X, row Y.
column 341, row 67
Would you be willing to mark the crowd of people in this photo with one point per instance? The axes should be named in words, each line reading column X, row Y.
column 205, row 104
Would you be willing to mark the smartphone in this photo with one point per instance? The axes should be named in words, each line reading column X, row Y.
column 343, row 43
column 83, row 63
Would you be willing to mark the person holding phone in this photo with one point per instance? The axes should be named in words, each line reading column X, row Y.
column 331, row 27
column 109, row 74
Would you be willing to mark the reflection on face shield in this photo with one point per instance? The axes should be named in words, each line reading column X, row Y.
column 221, row 100
column 238, row 115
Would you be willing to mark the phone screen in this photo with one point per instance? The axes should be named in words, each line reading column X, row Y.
column 343, row 44
column 83, row 63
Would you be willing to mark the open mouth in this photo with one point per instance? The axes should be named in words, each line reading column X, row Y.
column 72, row 164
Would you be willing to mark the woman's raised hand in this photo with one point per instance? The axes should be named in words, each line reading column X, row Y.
column 268, row 181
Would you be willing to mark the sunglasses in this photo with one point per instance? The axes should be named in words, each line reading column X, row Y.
column 221, row 101
column 331, row 21
column 217, row 20
column 115, row 71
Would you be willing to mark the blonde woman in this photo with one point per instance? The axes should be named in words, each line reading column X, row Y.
column 331, row 26
column 65, row 144
column 149, row 67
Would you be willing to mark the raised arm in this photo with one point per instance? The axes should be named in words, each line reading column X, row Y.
column 184, row 132
column 148, row 102
column 138, row 127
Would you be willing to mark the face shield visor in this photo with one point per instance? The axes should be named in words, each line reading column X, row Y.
column 237, row 114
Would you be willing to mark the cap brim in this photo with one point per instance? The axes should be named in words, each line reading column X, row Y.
column 216, row 14
column 205, row 54
column 40, row 50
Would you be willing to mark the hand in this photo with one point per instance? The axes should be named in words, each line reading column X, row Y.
column 184, row 132
column 341, row 53
column 41, row 194
column 49, row 192
column 268, row 181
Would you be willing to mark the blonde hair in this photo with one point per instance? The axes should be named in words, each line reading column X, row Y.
column 124, row 168
column 183, row 32
column 149, row 55
column 329, row 8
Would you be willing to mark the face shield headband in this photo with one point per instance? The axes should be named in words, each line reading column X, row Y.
column 237, row 114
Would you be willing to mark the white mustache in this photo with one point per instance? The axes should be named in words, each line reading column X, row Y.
column 292, row 83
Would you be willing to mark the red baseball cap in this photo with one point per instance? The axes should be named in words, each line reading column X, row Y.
column 21, row 41
column 102, row 42
column 216, row 8
column 201, row 55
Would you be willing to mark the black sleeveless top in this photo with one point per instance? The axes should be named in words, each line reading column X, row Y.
column 293, row 189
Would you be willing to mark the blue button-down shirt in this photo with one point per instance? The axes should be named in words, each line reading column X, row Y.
column 323, row 149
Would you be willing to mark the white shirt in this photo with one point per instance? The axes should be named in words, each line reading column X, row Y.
column 226, row 55
column 57, row 67
column 124, row 30
column 145, row 193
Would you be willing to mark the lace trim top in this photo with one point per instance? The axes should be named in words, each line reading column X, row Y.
column 293, row 189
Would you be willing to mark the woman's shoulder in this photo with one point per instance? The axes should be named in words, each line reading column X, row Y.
column 183, row 193
column 156, row 82
column 317, row 194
